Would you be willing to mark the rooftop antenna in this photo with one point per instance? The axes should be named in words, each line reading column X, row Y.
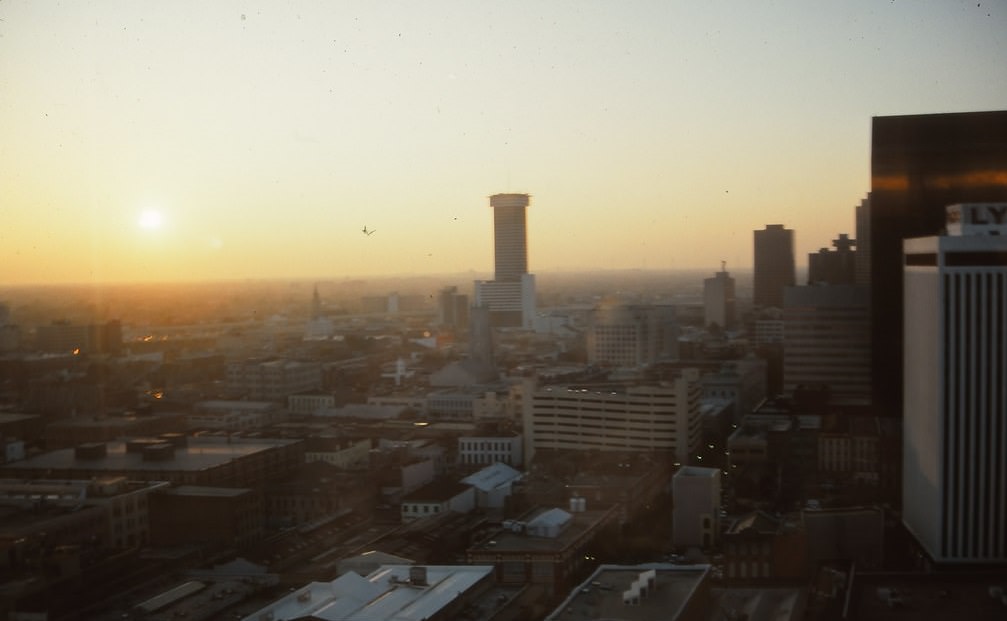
column 723, row 266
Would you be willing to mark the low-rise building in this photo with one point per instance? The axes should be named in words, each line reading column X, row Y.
column 759, row 546
column 124, row 502
column 545, row 548
column 492, row 485
column 217, row 517
column 230, row 462
column 345, row 454
column 234, row 415
column 391, row 593
column 84, row 429
column 475, row 451
column 438, row 497
column 307, row 403
column 640, row 593
column 272, row 379
column 316, row 492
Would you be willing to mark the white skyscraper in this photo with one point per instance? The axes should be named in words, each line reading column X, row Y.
column 954, row 477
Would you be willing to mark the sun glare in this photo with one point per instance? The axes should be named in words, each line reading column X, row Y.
column 150, row 219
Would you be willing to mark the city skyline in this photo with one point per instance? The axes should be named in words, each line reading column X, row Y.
column 147, row 142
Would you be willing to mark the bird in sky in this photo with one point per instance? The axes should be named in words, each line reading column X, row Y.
column 368, row 233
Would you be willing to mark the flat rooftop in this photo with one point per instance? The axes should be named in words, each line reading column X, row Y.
column 507, row 540
column 384, row 594
column 759, row 604
column 600, row 596
column 201, row 490
column 198, row 456
column 953, row 595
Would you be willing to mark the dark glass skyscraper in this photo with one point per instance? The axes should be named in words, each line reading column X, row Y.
column 774, row 264
column 919, row 165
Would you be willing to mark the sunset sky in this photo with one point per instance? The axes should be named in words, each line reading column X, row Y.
column 179, row 140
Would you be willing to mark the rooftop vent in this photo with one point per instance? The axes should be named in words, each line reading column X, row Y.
column 418, row 576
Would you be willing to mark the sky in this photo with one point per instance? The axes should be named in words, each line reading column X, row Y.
column 184, row 140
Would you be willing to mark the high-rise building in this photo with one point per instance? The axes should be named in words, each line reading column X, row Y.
column 631, row 336
column 919, row 165
column 510, row 236
column 510, row 296
column 834, row 267
column 452, row 308
column 827, row 341
column 718, row 299
column 774, row 264
column 954, row 474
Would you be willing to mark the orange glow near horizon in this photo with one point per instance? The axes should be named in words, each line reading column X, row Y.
column 189, row 142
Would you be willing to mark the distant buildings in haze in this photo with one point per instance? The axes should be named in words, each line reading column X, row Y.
column 774, row 265
column 719, row 304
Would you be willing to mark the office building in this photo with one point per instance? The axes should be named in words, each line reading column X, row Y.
column 954, row 474
column 631, row 336
column 919, row 165
column 774, row 264
column 834, row 267
column 510, row 296
column 718, row 299
column 608, row 417
column 742, row 383
column 826, row 342
column 452, row 309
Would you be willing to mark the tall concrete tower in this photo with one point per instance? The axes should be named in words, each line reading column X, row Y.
column 510, row 296
column 954, row 469
column 510, row 236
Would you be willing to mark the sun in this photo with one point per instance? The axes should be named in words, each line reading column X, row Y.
column 150, row 219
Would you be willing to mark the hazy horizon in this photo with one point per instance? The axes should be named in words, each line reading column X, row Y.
column 180, row 142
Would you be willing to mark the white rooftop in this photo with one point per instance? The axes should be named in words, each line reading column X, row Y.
column 492, row 477
column 384, row 595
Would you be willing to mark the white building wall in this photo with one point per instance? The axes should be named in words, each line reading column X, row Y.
column 663, row 418
column 955, row 397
